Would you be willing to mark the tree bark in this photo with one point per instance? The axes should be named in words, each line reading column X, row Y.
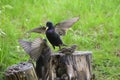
column 22, row 71
column 76, row 66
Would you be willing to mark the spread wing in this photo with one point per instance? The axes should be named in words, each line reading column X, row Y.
column 61, row 27
column 38, row 30
column 25, row 45
column 36, row 48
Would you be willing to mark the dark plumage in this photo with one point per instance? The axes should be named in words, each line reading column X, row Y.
column 43, row 62
column 54, row 32
column 52, row 36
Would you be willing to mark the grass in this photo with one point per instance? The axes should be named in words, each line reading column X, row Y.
column 98, row 30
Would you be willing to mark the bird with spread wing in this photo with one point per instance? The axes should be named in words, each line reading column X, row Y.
column 35, row 48
column 40, row 52
column 53, row 32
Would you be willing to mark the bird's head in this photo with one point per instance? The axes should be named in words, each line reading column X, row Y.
column 49, row 25
column 44, row 43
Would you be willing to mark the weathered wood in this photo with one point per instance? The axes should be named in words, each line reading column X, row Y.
column 76, row 66
column 22, row 71
column 58, row 66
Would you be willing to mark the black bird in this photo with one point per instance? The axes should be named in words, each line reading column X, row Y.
column 52, row 36
column 54, row 32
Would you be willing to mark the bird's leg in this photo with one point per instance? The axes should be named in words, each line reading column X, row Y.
column 59, row 46
column 53, row 46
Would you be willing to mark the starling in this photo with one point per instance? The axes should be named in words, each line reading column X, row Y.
column 52, row 36
column 68, row 50
column 41, row 53
column 54, row 32
column 35, row 48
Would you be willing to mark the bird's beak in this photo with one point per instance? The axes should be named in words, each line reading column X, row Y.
column 46, row 28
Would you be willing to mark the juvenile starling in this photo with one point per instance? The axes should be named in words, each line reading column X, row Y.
column 34, row 49
column 68, row 50
column 41, row 53
column 54, row 32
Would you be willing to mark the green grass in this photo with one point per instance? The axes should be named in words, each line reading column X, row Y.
column 98, row 30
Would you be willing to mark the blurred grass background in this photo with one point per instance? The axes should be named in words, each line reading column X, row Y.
column 98, row 30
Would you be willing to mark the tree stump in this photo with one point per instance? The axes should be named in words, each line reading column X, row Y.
column 76, row 66
column 22, row 71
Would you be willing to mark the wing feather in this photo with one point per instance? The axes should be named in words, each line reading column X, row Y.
column 38, row 30
column 61, row 27
column 36, row 48
column 26, row 45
